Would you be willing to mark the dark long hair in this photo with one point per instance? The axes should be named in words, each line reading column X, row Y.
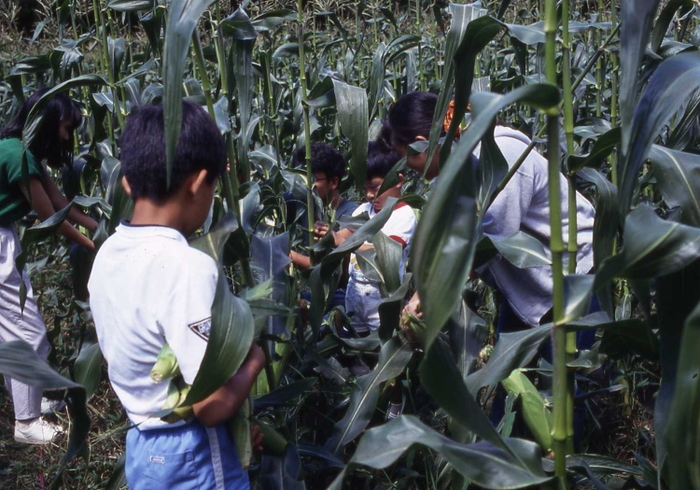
column 411, row 116
column 47, row 144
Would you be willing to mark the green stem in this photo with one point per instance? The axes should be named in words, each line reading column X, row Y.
column 307, row 130
column 599, row 67
column 199, row 59
column 572, row 245
column 613, row 99
column 559, row 431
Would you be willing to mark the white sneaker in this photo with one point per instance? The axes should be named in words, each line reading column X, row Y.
column 51, row 406
column 36, row 431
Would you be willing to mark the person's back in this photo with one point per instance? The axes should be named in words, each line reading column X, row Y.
column 523, row 205
column 148, row 288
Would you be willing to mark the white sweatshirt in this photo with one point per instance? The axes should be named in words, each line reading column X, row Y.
column 523, row 205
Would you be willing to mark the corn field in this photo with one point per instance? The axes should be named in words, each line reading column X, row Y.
column 608, row 91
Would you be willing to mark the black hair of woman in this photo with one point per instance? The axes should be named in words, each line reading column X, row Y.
column 411, row 116
column 48, row 143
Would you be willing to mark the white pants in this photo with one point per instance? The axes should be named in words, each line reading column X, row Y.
column 16, row 324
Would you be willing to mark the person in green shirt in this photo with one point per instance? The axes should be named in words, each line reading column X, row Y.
column 53, row 144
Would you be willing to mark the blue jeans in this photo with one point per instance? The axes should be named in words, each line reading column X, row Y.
column 187, row 457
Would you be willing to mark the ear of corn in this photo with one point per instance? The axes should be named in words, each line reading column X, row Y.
column 166, row 365
column 274, row 442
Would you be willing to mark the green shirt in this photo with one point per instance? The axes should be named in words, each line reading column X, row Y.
column 13, row 204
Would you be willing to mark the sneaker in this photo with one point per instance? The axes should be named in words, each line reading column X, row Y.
column 36, row 431
column 51, row 406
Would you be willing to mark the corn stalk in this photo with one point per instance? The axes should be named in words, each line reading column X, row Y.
column 307, row 129
column 561, row 388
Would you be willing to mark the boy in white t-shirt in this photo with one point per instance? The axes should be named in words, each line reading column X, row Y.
column 363, row 297
column 148, row 288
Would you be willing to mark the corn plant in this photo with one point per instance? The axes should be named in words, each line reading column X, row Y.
column 610, row 95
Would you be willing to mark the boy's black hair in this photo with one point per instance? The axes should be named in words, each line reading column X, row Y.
column 47, row 143
column 379, row 161
column 411, row 116
column 324, row 159
column 200, row 146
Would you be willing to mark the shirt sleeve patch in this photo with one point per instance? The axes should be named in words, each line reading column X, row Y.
column 201, row 328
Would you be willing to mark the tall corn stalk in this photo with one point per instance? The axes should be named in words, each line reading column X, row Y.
column 307, row 128
column 572, row 245
column 561, row 389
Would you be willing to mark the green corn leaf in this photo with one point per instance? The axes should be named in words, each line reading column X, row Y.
column 353, row 114
column 480, row 463
column 389, row 253
column 19, row 361
column 88, row 367
column 285, row 394
column 522, row 250
column 652, row 247
column 40, row 232
column 115, row 195
column 273, row 18
column 678, row 176
column 242, row 70
column 604, row 235
column 665, row 18
column 117, row 479
column 667, row 90
column 390, row 310
column 602, row 148
column 529, row 35
column 516, row 349
column 578, row 292
column 393, row 359
column 131, row 5
column 513, row 350
column 636, row 19
column 440, row 376
column 630, row 337
column 182, row 20
column 683, row 435
column 239, row 27
column 117, row 50
column 232, row 326
column 376, row 78
column 535, row 412
column 676, row 296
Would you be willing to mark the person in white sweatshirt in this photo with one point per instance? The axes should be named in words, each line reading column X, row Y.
column 523, row 205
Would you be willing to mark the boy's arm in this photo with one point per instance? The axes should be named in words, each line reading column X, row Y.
column 302, row 261
column 225, row 402
column 44, row 208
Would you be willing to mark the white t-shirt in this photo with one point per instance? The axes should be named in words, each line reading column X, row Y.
column 148, row 288
column 362, row 295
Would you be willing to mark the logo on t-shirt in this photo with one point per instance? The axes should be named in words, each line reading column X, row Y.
column 202, row 328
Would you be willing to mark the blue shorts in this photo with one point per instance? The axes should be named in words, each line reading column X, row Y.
column 187, row 457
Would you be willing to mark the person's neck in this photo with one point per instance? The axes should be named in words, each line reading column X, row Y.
column 151, row 213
